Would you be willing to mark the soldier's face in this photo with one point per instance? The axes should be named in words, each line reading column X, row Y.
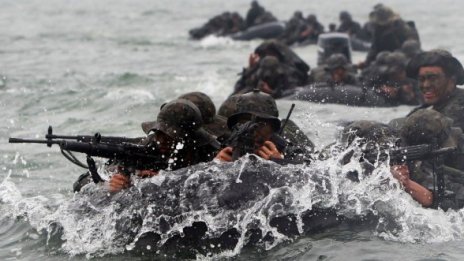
column 164, row 142
column 263, row 133
column 338, row 74
column 434, row 84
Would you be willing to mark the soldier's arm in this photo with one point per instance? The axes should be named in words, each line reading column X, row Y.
column 417, row 191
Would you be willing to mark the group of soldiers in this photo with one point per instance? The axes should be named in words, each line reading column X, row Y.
column 189, row 130
column 229, row 23
column 275, row 69
column 439, row 122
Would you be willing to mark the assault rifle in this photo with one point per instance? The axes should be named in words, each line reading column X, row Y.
column 409, row 153
column 242, row 139
column 119, row 149
column 91, row 138
column 420, row 152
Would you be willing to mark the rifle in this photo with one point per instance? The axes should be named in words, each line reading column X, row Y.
column 409, row 153
column 92, row 138
column 129, row 155
column 421, row 152
column 242, row 139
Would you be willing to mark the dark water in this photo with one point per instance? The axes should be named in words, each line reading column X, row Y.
column 88, row 66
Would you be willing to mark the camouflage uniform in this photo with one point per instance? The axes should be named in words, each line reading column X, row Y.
column 289, row 64
column 390, row 32
column 427, row 127
column 271, row 72
column 295, row 26
column 258, row 15
column 451, row 106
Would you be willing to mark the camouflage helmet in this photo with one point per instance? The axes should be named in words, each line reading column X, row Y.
column 312, row 18
column 214, row 124
column 270, row 67
column 298, row 14
column 335, row 61
column 441, row 58
column 177, row 119
column 204, row 104
column 411, row 48
column 370, row 131
column 382, row 57
column 426, row 126
column 345, row 16
column 383, row 15
column 228, row 107
column 393, row 62
column 257, row 104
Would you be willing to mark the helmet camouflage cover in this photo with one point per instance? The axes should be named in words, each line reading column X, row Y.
column 257, row 104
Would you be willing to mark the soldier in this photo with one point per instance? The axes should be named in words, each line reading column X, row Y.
column 179, row 137
column 295, row 26
column 313, row 29
column 347, row 25
column 438, row 73
column 374, row 136
column 339, row 70
column 214, row 124
column 262, row 110
column 258, row 15
column 295, row 146
column 418, row 178
column 394, row 84
column 390, row 32
column 224, row 24
column 296, row 70
column 271, row 77
column 286, row 56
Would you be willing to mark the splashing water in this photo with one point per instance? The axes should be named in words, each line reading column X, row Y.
column 271, row 199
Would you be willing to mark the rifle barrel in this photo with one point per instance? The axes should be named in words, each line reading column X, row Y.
column 90, row 138
column 16, row 140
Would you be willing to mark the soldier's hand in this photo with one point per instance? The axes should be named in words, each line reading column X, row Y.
column 390, row 92
column 225, row 154
column 361, row 65
column 401, row 173
column 264, row 87
column 269, row 151
column 253, row 59
column 119, row 182
column 147, row 173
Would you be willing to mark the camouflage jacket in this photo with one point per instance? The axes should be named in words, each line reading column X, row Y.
column 452, row 108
